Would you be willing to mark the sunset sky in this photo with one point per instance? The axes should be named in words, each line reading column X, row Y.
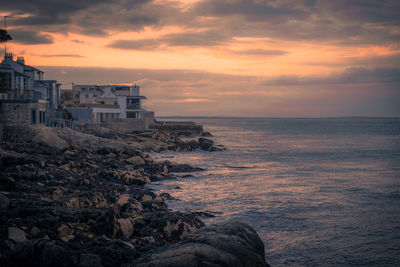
column 258, row 58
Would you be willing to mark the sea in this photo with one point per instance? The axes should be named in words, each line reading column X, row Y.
column 319, row 191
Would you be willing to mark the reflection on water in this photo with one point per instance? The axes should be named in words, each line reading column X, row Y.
column 318, row 191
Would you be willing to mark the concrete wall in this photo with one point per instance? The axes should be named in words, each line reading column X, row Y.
column 190, row 127
column 127, row 125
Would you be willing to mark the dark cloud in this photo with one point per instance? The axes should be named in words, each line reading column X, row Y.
column 344, row 22
column 143, row 44
column 250, row 9
column 349, row 76
column 92, row 17
column 204, row 38
column 30, row 37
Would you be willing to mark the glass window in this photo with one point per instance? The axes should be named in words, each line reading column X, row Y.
column 86, row 96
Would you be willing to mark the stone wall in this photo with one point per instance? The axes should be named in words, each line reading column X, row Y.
column 19, row 112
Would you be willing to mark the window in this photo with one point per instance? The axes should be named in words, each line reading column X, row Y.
column 131, row 115
column 94, row 95
column 86, row 96
column 91, row 89
column 83, row 89
column 33, row 116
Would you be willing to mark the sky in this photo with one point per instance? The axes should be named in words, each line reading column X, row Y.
column 256, row 58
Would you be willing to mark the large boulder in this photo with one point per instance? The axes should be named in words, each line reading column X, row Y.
column 49, row 141
column 39, row 252
column 225, row 244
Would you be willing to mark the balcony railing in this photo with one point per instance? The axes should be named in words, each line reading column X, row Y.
column 133, row 106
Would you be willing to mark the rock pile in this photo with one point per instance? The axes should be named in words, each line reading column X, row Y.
column 79, row 201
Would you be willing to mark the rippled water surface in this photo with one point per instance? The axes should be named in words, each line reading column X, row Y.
column 320, row 192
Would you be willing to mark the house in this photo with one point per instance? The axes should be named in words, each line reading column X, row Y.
column 113, row 105
column 109, row 101
column 25, row 97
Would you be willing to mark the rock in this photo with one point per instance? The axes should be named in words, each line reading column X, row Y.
column 123, row 199
column 34, row 231
column 146, row 198
column 205, row 144
column 135, row 178
column 107, row 224
column 126, row 227
column 16, row 234
column 40, row 253
column 50, row 141
column 89, row 260
column 65, row 233
column 206, row 134
column 136, row 160
column 4, row 202
column 73, row 203
column 225, row 244
column 117, row 253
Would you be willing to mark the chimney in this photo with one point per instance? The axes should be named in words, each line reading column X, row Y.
column 21, row 60
column 8, row 58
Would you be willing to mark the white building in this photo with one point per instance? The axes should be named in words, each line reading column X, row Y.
column 108, row 102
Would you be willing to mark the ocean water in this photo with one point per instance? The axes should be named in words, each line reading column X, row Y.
column 320, row 192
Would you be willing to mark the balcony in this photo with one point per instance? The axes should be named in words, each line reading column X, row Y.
column 133, row 106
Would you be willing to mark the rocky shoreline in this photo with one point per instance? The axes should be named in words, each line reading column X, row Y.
column 69, row 198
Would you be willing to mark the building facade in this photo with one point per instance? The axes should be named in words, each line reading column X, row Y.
column 23, row 87
column 108, row 102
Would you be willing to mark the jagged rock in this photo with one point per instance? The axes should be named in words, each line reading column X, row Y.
column 132, row 208
column 226, row 244
column 206, row 134
column 206, row 144
column 136, row 160
column 4, row 202
column 123, row 199
column 49, row 141
column 39, row 253
column 107, row 223
column 135, row 178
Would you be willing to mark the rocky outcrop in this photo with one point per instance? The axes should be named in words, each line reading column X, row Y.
column 226, row 244
column 81, row 201
column 49, row 141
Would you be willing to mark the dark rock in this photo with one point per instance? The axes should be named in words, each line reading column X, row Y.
column 89, row 260
column 4, row 202
column 107, row 223
column 226, row 244
column 117, row 253
column 40, row 253
column 16, row 234
column 206, row 134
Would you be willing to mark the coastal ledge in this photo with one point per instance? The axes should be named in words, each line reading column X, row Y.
column 72, row 199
